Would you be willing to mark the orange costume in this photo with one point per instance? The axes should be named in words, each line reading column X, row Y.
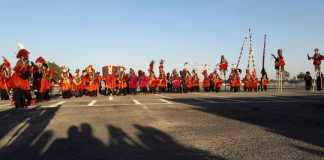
column 19, row 79
column 5, row 74
column 195, row 81
column 218, row 82
column 206, row 81
column 153, row 81
column 162, row 81
column 235, row 81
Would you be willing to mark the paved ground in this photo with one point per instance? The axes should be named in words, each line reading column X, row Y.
column 263, row 126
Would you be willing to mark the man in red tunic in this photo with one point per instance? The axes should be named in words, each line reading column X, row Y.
column 132, row 82
column 218, row 82
column 77, row 83
column 206, row 81
column 121, row 82
column 19, row 81
column 153, row 81
column 93, row 85
column 5, row 73
column 110, row 80
column 162, row 78
column 195, row 81
column 280, row 68
column 66, row 83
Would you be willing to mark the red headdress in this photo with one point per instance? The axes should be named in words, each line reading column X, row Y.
column 23, row 53
column 40, row 60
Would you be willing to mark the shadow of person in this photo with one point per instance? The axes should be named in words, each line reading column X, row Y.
column 159, row 145
column 80, row 144
column 24, row 127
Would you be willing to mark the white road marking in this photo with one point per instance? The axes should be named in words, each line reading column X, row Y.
column 56, row 104
column 165, row 101
column 162, row 96
column 145, row 107
column 136, row 102
column 92, row 103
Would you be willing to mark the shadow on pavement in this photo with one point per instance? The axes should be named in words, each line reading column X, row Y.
column 291, row 117
column 150, row 143
column 20, row 128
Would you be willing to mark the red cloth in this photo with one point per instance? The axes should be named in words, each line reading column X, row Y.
column 133, row 82
column 110, row 82
column 45, row 85
column 143, row 81
column 153, row 82
column 122, row 83
column 218, row 83
column 176, row 82
column 281, row 62
column 162, row 82
column 223, row 66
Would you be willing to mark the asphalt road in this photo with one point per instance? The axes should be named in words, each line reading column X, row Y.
column 248, row 126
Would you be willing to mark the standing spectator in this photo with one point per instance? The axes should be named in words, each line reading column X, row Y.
column 308, row 80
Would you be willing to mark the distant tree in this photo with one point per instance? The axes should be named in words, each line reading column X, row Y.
column 301, row 76
column 57, row 69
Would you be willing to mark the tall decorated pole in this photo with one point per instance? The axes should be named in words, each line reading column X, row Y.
column 263, row 71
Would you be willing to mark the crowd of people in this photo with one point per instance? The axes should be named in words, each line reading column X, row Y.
column 31, row 82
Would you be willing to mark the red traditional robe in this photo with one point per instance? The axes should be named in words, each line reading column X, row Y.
column 18, row 79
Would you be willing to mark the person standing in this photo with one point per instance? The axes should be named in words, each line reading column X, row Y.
column 19, row 81
column 5, row 74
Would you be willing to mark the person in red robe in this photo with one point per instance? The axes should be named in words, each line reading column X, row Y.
column 77, row 83
column 121, row 82
column 19, row 81
column 93, row 84
column 66, row 83
column 5, row 74
column 206, row 81
column 218, row 81
column 317, row 59
column 195, row 81
column 110, row 80
column 254, row 81
column 280, row 68
column 247, row 81
column 132, row 82
column 176, row 81
column 42, row 79
column 142, row 81
column 153, row 81
column 235, row 81
column 162, row 84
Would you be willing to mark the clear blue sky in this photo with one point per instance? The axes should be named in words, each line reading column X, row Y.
column 131, row 33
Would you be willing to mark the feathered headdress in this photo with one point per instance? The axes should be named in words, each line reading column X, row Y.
column 6, row 63
column 22, row 51
column 40, row 60
column 151, row 65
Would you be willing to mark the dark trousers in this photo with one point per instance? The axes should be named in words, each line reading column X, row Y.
column 22, row 98
column 4, row 94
